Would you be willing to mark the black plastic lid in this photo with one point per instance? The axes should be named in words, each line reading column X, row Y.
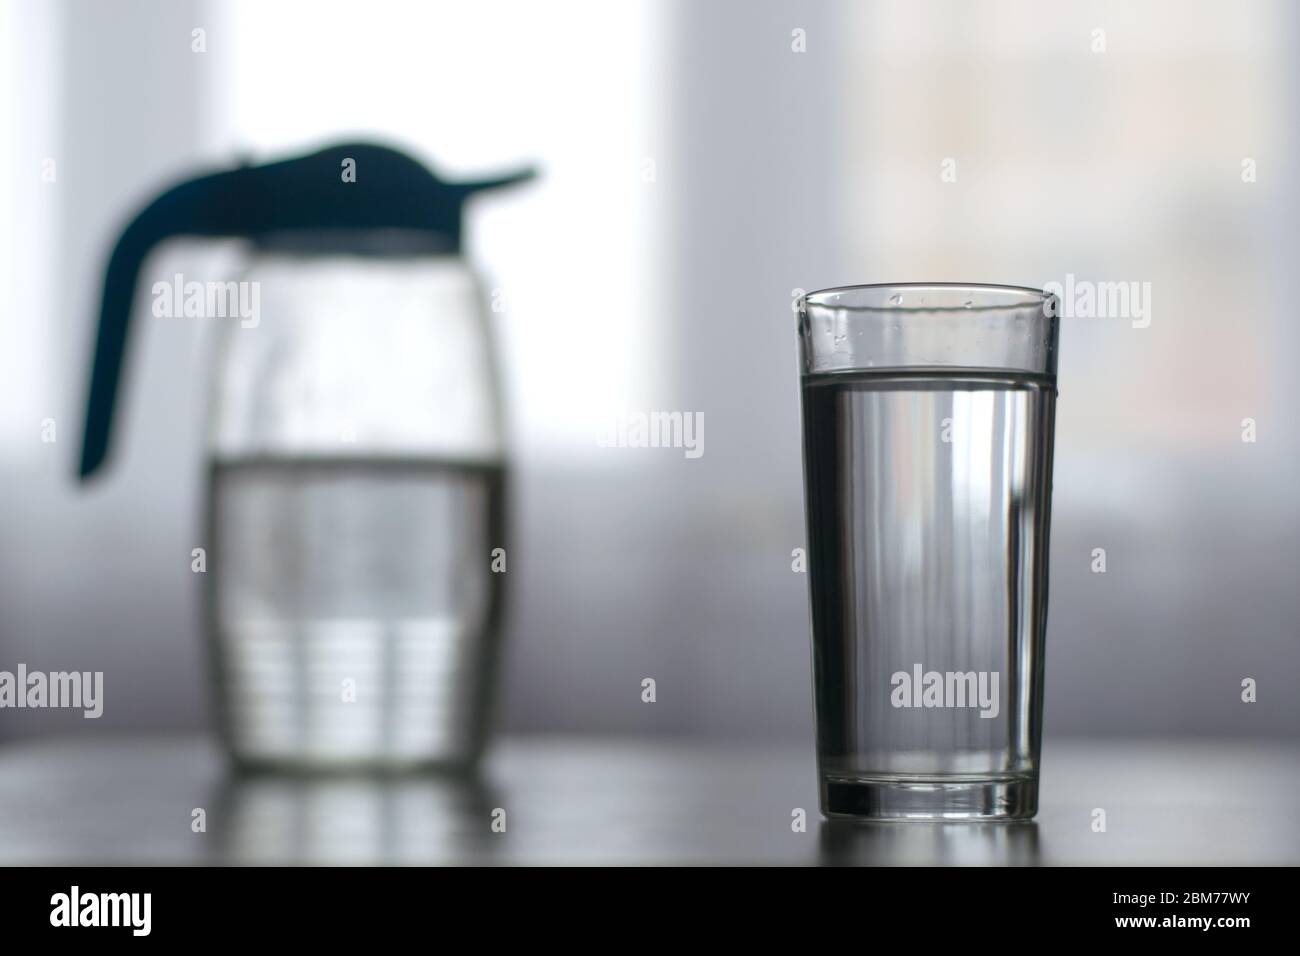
column 337, row 199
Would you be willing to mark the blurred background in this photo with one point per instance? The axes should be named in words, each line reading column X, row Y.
column 701, row 164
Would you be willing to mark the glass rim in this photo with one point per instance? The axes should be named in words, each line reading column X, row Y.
column 1016, row 296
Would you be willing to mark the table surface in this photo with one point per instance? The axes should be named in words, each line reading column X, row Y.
column 594, row 800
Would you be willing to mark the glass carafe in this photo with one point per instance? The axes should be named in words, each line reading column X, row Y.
column 356, row 466
column 354, row 506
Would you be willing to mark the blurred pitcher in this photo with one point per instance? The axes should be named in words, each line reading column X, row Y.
column 356, row 475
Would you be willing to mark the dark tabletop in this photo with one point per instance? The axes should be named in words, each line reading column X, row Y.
column 601, row 800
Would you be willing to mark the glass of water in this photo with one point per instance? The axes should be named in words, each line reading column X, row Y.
column 927, row 420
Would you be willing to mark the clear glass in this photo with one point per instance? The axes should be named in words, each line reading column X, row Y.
column 355, row 498
column 928, row 425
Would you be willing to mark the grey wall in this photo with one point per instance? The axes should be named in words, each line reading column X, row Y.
column 94, row 578
column 653, row 565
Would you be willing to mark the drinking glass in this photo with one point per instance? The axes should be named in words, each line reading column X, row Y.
column 928, row 424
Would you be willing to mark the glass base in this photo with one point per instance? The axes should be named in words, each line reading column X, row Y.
column 917, row 797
